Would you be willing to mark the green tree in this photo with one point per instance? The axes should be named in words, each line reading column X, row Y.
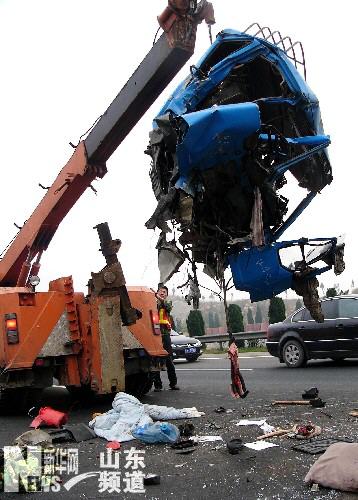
column 236, row 319
column 195, row 323
column 216, row 320
column 331, row 292
column 250, row 317
column 211, row 319
column 298, row 304
column 277, row 310
column 258, row 315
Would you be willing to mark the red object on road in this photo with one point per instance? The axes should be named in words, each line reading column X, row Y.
column 50, row 417
column 238, row 388
column 113, row 445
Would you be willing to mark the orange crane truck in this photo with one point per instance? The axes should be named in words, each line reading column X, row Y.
column 104, row 341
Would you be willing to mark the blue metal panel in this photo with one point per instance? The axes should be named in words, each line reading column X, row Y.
column 216, row 135
column 258, row 271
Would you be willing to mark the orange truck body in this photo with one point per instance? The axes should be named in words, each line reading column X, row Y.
column 76, row 339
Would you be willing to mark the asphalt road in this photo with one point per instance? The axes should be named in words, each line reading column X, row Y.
column 210, row 472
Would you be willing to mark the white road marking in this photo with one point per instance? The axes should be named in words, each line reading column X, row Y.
column 211, row 369
column 245, row 357
column 211, row 358
column 256, row 357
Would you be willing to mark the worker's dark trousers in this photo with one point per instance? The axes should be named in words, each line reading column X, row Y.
column 167, row 344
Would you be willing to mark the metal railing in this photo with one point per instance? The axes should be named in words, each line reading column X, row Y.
column 293, row 50
column 208, row 339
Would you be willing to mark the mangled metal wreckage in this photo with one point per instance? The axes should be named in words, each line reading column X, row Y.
column 220, row 148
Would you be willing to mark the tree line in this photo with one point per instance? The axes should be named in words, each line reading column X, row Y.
column 276, row 312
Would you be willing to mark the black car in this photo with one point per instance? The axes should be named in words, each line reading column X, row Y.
column 299, row 338
column 185, row 347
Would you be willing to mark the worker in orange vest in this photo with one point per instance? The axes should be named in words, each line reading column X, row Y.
column 164, row 308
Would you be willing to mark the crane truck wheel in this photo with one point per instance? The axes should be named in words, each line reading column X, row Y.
column 139, row 384
column 83, row 394
column 15, row 401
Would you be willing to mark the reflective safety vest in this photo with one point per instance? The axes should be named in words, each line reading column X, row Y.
column 164, row 316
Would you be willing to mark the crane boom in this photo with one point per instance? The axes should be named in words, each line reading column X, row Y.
column 159, row 67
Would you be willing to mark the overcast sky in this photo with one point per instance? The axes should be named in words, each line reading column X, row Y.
column 64, row 61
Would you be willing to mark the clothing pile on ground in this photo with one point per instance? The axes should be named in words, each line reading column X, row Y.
column 129, row 414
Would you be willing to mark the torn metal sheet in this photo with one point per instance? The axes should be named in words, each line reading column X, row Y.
column 220, row 148
column 170, row 258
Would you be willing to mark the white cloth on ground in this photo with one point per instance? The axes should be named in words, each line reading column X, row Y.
column 128, row 413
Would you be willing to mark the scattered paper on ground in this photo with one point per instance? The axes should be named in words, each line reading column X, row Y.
column 259, row 445
column 261, row 423
column 208, row 439
column 252, row 422
column 267, row 428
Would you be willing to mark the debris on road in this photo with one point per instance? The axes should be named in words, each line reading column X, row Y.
column 157, row 432
column 185, row 446
column 259, row 445
column 298, row 431
column 214, row 426
column 208, row 439
column 238, row 387
column 264, row 426
column 306, row 431
column 251, row 422
column 235, row 446
column 113, row 445
column 221, row 409
column 336, row 468
column 76, row 432
column 36, row 437
column 150, row 479
column 353, row 413
column 278, row 432
column 316, row 403
column 187, row 429
column 311, row 393
column 50, row 417
column 184, row 443
column 319, row 445
column 128, row 414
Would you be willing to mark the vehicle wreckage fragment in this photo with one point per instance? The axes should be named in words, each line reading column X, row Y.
column 220, row 148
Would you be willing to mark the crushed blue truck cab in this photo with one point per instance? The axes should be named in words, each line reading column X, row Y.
column 220, row 148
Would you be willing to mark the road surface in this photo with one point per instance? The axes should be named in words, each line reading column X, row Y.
column 210, row 472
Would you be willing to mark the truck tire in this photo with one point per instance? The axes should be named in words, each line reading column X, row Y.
column 18, row 401
column 82, row 394
column 139, row 384
column 293, row 354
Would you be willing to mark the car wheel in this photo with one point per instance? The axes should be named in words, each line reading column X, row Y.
column 293, row 354
column 191, row 359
